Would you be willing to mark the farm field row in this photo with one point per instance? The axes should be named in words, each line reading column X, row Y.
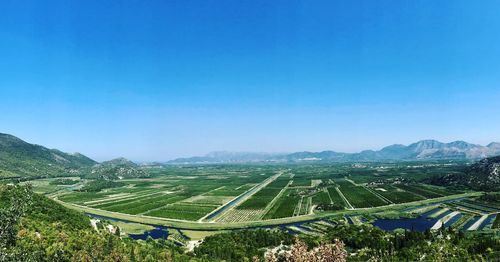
column 358, row 196
column 192, row 193
column 184, row 198
column 251, row 223
column 397, row 195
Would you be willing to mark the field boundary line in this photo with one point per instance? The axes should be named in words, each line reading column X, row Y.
column 343, row 197
column 275, row 199
column 185, row 224
column 161, row 207
column 311, row 206
column 431, row 190
column 352, row 181
column 297, row 208
column 329, row 196
column 131, row 199
column 411, row 192
column 478, row 223
column 244, row 197
column 383, row 198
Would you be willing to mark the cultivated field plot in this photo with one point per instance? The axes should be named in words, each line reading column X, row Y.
column 239, row 193
column 322, row 198
column 396, row 195
column 180, row 195
column 358, row 196
column 336, row 198
column 284, row 206
column 264, row 196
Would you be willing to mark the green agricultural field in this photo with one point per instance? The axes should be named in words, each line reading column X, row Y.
column 334, row 195
column 420, row 190
column 261, row 199
column 252, row 192
column 321, row 198
column 358, row 196
column 396, row 195
column 285, row 205
column 181, row 211
column 301, row 182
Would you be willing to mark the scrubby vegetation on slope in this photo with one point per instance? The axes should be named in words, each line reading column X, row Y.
column 483, row 175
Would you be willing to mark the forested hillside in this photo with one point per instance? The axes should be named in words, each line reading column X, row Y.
column 19, row 158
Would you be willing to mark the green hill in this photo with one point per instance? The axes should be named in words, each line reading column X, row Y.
column 19, row 158
column 22, row 159
column 114, row 169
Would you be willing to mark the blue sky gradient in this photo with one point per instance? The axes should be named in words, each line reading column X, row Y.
column 155, row 80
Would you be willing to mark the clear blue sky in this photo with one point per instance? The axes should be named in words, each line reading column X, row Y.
column 154, row 80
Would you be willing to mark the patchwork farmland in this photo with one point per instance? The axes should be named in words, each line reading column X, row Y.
column 236, row 194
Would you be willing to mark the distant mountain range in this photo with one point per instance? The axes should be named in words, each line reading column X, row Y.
column 422, row 150
column 19, row 158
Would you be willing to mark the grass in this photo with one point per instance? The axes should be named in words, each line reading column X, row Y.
column 132, row 228
column 246, row 224
column 334, row 195
column 182, row 211
column 397, row 195
column 260, row 199
column 420, row 190
column 284, row 206
column 301, row 182
column 321, row 198
column 358, row 196
column 191, row 192
column 141, row 206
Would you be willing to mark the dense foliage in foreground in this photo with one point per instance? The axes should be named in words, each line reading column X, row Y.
column 34, row 228
column 370, row 242
column 366, row 242
column 51, row 232
column 241, row 245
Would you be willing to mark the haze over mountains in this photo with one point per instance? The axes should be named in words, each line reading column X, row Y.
column 18, row 157
column 422, row 150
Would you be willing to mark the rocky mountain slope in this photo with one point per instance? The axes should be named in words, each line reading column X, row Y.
column 482, row 175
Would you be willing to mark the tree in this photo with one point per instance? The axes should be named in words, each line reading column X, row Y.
column 17, row 200
column 299, row 252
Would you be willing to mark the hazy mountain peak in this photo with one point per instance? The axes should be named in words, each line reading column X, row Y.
column 462, row 144
column 426, row 144
column 421, row 150
column 394, row 146
column 494, row 145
